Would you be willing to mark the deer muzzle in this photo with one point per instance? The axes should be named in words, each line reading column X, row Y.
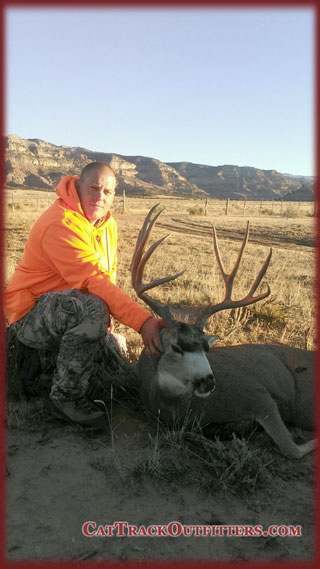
column 204, row 386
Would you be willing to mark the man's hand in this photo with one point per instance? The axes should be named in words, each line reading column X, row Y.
column 150, row 332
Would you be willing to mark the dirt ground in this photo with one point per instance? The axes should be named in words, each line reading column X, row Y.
column 60, row 476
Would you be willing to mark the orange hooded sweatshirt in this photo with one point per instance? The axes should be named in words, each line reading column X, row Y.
column 63, row 251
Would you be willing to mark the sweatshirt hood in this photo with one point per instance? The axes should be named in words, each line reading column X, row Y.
column 67, row 191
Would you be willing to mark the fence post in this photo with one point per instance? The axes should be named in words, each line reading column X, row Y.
column 244, row 206
column 123, row 200
column 206, row 205
column 227, row 206
column 12, row 204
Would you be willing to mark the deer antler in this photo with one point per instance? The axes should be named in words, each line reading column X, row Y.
column 138, row 263
column 228, row 282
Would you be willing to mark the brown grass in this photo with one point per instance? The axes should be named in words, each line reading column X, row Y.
column 287, row 316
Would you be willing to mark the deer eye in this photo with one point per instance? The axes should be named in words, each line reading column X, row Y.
column 177, row 349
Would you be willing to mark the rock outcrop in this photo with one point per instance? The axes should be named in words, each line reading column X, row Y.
column 239, row 182
column 304, row 194
column 34, row 163
column 38, row 164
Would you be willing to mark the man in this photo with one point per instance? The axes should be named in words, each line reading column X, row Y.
column 63, row 291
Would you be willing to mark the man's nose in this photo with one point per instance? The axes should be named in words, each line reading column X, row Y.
column 99, row 194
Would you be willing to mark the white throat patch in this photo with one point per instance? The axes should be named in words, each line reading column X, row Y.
column 171, row 384
column 194, row 366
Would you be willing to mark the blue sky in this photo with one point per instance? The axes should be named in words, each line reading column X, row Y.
column 211, row 86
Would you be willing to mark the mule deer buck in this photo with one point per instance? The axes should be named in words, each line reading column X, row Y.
column 270, row 384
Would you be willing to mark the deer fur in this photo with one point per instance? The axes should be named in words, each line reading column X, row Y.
column 269, row 384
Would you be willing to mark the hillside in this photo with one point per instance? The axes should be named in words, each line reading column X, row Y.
column 34, row 163
column 236, row 182
column 39, row 164
column 303, row 194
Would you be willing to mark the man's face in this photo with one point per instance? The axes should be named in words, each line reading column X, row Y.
column 96, row 193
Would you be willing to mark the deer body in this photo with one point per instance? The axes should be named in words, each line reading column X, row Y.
column 270, row 384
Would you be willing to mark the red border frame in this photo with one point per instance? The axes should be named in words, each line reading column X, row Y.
column 156, row 4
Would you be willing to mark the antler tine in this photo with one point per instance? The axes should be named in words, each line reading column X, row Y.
column 138, row 264
column 259, row 278
column 228, row 279
column 242, row 248
column 143, row 262
column 143, row 237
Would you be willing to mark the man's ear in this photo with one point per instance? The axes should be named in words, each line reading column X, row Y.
column 211, row 339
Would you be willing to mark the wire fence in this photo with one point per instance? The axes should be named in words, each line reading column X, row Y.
column 29, row 200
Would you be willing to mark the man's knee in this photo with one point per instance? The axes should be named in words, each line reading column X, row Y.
column 89, row 312
column 84, row 305
column 60, row 312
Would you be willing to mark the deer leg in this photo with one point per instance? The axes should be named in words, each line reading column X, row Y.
column 273, row 424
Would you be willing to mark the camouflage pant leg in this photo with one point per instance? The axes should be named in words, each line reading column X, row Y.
column 69, row 323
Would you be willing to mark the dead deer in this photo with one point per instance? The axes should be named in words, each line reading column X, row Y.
column 270, row 384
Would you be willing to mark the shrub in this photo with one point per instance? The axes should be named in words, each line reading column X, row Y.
column 291, row 211
column 195, row 211
column 15, row 206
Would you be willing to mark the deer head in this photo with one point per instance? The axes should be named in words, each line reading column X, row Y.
column 183, row 367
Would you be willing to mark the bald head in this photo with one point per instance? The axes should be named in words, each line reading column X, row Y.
column 96, row 167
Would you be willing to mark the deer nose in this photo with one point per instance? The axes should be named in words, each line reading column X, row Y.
column 205, row 385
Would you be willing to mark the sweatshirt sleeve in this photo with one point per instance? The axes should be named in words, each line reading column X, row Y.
column 70, row 253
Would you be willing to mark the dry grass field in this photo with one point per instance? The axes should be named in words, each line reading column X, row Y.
column 60, row 476
column 287, row 316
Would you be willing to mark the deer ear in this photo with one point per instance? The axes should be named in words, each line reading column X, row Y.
column 211, row 340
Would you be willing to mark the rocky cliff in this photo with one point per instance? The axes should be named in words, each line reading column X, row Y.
column 34, row 163
column 38, row 164
column 304, row 194
column 238, row 182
